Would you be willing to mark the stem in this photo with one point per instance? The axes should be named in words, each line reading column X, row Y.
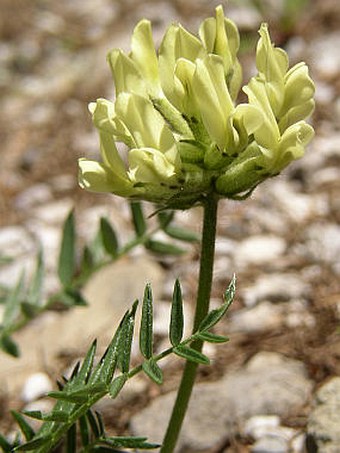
column 202, row 308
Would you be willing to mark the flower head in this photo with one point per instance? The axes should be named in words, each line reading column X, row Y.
column 175, row 111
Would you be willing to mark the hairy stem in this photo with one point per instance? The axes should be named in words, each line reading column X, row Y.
column 202, row 307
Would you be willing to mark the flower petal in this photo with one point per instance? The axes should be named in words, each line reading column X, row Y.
column 97, row 177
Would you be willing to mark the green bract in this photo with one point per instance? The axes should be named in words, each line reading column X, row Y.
column 175, row 112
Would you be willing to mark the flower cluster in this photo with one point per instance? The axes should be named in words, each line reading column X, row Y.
column 175, row 111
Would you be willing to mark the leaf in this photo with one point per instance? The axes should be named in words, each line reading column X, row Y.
column 151, row 369
column 117, row 385
column 130, row 442
column 138, row 218
column 29, row 310
column 26, row 429
column 230, row 292
column 34, row 292
column 94, row 425
column 163, row 248
column 215, row 315
column 191, row 354
column 54, row 416
column 9, row 346
column 125, row 341
column 67, row 260
column 146, row 327
column 12, row 304
column 164, row 218
column 104, row 370
column 181, row 234
column 84, row 431
column 34, row 444
column 5, row 445
column 71, row 297
column 87, row 261
column 71, row 439
column 79, row 396
column 176, row 319
column 109, row 237
column 86, row 367
column 212, row 338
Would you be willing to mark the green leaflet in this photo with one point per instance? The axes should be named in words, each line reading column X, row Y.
column 163, row 248
column 138, row 218
column 109, row 237
column 67, row 261
column 215, row 315
column 212, row 338
column 152, row 370
column 146, row 326
column 176, row 319
column 191, row 354
column 117, row 385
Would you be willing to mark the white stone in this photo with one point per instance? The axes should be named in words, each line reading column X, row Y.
column 259, row 250
column 299, row 207
column 258, row 425
column 34, row 195
column 275, row 287
column 323, row 243
column 262, row 317
column 55, row 212
column 15, row 242
column 324, row 54
column 36, row 386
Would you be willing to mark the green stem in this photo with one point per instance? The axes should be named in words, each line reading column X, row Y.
column 202, row 308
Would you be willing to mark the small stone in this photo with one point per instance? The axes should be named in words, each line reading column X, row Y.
column 323, row 432
column 15, row 241
column 323, row 244
column 54, row 213
column 324, row 55
column 259, row 250
column 297, row 314
column 297, row 206
column 263, row 317
column 34, row 195
column 275, row 287
column 36, row 385
column 258, row 425
column 270, row 444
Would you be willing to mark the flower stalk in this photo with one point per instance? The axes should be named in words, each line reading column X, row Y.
column 202, row 307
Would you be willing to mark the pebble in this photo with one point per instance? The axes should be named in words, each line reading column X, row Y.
column 15, row 242
column 55, row 212
column 269, row 435
column 259, row 425
column 323, row 244
column 323, row 434
column 33, row 196
column 270, row 444
column 324, row 56
column 276, row 287
column 264, row 316
column 298, row 207
column 36, row 386
column 259, row 250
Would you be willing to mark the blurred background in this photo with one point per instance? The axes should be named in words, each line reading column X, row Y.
column 283, row 243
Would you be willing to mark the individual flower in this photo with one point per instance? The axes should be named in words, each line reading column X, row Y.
column 175, row 112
